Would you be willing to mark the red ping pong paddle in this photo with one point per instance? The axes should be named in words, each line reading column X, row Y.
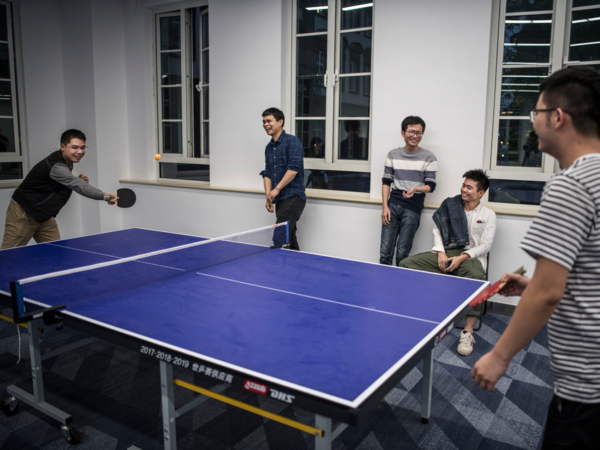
column 126, row 198
column 493, row 289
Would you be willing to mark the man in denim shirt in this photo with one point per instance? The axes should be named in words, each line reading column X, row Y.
column 284, row 169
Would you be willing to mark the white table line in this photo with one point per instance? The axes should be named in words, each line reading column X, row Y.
column 318, row 298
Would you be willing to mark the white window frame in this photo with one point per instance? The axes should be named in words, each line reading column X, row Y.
column 559, row 49
column 187, row 87
column 333, row 80
column 15, row 66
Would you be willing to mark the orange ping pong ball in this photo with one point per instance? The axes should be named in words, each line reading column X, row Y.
column 157, row 157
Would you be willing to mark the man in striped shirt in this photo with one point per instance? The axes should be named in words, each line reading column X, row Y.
column 409, row 174
column 565, row 240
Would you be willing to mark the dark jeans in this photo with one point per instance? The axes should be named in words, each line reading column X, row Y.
column 404, row 223
column 290, row 210
column 572, row 425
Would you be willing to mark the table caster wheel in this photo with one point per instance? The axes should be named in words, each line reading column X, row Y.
column 70, row 434
column 10, row 406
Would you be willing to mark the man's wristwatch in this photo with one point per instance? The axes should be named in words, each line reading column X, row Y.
column 108, row 198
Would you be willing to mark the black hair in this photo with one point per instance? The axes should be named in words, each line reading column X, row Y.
column 276, row 113
column 576, row 90
column 480, row 177
column 413, row 120
column 72, row 134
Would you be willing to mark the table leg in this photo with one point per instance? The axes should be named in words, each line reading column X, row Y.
column 37, row 400
column 167, row 388
column 329, row 432
column 427, row 383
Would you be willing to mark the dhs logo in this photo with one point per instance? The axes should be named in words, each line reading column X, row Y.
column 282, row 396
column 255, row 387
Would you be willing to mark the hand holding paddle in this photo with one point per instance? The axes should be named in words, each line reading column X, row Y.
column 123, row 198
column 494, row 288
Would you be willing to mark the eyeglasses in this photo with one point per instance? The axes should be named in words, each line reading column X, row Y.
column 534, row 112
column 83, row 148
column 413, row 133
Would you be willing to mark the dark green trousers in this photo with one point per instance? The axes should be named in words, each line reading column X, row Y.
column 428, row 262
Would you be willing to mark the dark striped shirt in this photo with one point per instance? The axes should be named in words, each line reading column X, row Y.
column 567, row 231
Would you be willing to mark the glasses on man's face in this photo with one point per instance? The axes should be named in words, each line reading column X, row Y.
column 534, row 112
column 414, row 133
column 83, row 148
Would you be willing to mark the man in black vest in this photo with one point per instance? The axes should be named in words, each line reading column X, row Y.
column 45, row 190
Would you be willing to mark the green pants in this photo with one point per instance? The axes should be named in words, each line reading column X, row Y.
column 428, row 262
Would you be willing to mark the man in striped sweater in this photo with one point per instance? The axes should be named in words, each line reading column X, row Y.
column 409, row 174
column 564, row 239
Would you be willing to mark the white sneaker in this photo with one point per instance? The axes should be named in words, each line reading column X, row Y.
column 465, row 346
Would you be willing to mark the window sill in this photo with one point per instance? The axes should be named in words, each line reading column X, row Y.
column 505, row 209
column 10, row 184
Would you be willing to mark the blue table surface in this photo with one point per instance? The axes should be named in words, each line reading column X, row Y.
column 331, row 325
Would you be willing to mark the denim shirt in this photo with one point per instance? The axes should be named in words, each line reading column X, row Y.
column 285, row 154
column 451, row 220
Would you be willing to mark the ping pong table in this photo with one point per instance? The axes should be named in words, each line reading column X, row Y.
column 330, row 335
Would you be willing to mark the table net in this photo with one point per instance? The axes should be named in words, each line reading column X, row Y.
column 90, row 282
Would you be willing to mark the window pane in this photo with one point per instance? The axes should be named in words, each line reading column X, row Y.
column 7, row 136
column 5, row 99
column 312, row 135
column 356, row 52
column 513, row 191
column 357, row 14
column 311, row 97
column 172, row 137
column 205, row 67
column 520, row 90
column 311, row 55
column 4, row 65
column 170, row 33
column 518, row 144
column 354, row 139
column 205, row 31
column 197, row 124
column 578, row 3
column 170, row 68
column 11, row 171
column 529, row 5
column 205, row 140
column 3, row 24
column 205, row 104
column 355, row 99
column 527, row 39
column 171, row 100
column 192, row 172
column 311, row 18
column 337, row 180
column 585, row 36
column 195, row 38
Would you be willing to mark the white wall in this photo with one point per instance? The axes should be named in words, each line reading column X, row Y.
column 99, row 75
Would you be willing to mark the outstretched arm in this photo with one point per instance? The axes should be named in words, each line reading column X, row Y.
column 540, row 299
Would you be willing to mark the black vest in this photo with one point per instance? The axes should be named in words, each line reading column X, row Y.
column 39, row 195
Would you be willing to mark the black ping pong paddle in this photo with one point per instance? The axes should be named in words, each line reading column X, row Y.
column 126, row 198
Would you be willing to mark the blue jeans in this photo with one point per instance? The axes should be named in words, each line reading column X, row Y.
column 401, row 231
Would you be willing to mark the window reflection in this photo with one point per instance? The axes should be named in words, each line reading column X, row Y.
column 518, row 144
column 337, row 180
column 11, row 171
column 516, row 191
column 188, row 172
column 527, row 39
column 312, row 16
column 312, row 135
column 356, row 52
column 354, row 140
column 585, row 35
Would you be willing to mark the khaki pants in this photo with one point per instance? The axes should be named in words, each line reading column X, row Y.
column 20, row 228
column 428, row 261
